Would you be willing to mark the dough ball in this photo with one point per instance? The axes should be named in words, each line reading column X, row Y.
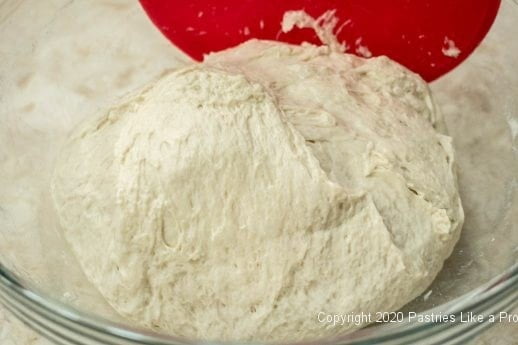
column 239, row 198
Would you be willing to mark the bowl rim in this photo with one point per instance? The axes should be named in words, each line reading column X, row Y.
column 31, row 304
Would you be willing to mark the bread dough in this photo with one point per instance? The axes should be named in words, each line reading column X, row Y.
column 238, row 198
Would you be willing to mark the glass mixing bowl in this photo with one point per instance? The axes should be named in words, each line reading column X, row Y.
column 64, row 60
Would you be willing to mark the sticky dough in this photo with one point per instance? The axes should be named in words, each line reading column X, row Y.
column 238, row 198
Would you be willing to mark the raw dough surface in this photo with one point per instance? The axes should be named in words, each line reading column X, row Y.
column 239, row 198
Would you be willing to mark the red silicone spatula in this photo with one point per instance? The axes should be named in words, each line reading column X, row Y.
column 430, row 37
